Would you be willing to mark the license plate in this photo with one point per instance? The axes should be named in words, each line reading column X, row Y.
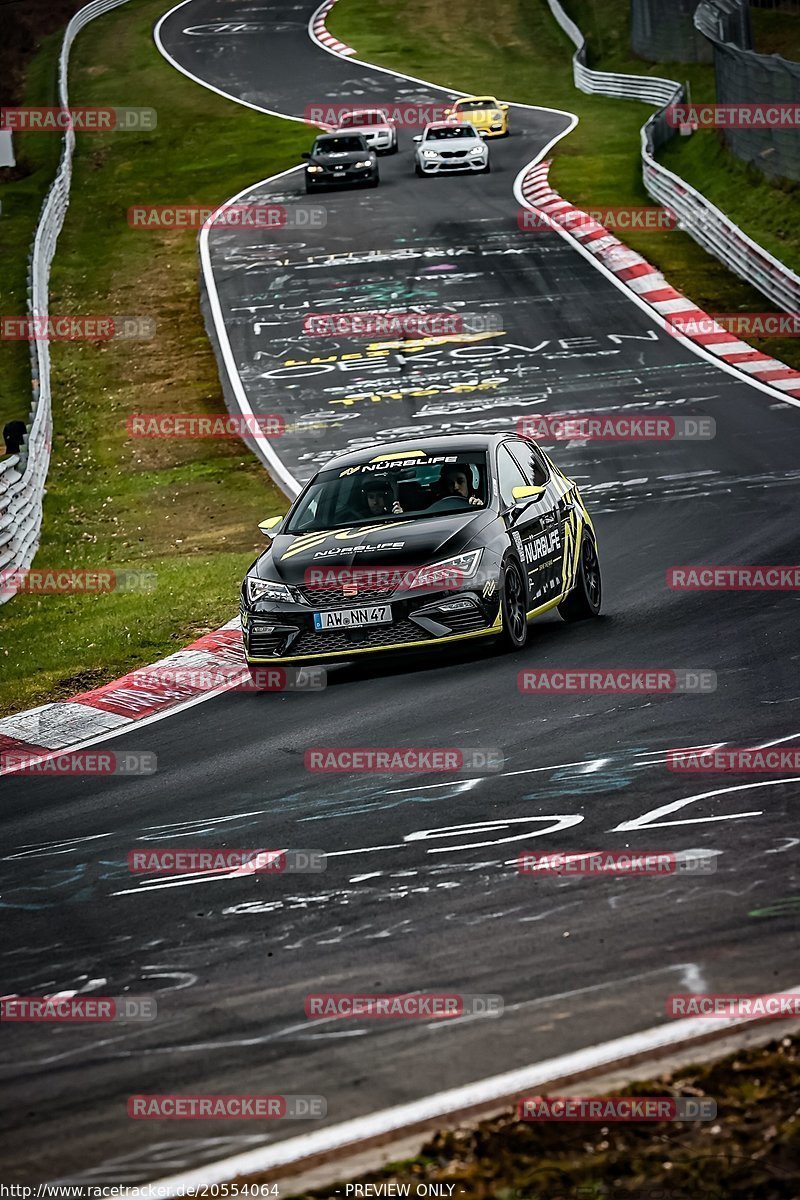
column 353, row 618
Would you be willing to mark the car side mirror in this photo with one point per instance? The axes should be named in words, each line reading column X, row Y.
column 267, row 527
column 527, row 494
column 417, row 137
column 305, row 154
column 503, row 107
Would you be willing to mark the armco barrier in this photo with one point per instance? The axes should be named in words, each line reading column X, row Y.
column 23, row 476
column 709, row 227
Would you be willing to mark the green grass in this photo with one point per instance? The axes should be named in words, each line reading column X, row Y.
column 523, row 55
column 776, row 32
column 186, row 510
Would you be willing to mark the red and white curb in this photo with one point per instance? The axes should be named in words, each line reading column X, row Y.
column 321, row 32
column 211, row 665
column 651, row 287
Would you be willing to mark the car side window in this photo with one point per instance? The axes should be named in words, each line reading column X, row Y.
column 531, row 461
column 509, row 476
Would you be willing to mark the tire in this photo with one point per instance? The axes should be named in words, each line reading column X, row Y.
column 394, row 147
column 586, row 597
column 487, row 170
column 419, row 171
column 513, row 605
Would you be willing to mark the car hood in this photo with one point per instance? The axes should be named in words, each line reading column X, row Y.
column 366, row 129
column 452, row 143
column 399, row 543
column 340, row 157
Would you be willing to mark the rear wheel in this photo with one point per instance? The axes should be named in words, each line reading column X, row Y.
column 586, row 597
column 513, row 606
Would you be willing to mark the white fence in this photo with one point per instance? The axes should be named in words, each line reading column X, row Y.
column 709, row 227
column 22, row 477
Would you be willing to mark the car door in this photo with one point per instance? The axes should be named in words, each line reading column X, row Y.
column 540, row 524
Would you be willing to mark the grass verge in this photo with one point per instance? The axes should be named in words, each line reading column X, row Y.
column 751, row 1149
column 186, row 510
column 524, row 55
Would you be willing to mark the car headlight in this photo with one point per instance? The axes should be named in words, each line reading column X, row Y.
column 265, row 589
column 429, row 154
column 478, row 150
column 367, row 162
column 450, row 571
column 313, row 169
column 497, row 116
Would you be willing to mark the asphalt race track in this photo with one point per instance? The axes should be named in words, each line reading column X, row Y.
column 421, row 891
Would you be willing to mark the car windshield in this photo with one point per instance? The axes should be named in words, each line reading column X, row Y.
column 391, row 490
column 367, row 117
column 441, row 132
column 475, row 105
column 339, row 145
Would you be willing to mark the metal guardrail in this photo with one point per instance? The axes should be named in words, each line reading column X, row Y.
column 697, row 216
column 23, row 476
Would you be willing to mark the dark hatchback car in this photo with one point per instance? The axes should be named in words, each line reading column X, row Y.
column 417, row 544
column 337, row 159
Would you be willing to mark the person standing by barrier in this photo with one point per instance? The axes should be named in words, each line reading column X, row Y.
column 14, row 434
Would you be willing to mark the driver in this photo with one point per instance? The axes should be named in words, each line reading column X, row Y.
column 378, row 497
column 457, row 482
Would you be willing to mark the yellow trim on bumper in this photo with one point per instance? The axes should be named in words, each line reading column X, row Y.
column 491, row 631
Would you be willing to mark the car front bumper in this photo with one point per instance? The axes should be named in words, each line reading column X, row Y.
column 328, row 179
column 285, row 632
column 451, row 166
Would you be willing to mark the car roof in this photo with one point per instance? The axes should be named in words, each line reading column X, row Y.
column 430, row 444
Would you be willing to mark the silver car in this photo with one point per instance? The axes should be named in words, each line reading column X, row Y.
column 447, row 146
column 375, row 125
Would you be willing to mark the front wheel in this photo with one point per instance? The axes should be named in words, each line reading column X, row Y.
column 586, row 596
column 513, row 607
column 487, row 169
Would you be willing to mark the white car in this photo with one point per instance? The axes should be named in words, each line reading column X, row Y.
column 375, row 125
column 450, row 146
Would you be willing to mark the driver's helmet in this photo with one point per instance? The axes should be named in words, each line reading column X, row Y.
column 377, row 483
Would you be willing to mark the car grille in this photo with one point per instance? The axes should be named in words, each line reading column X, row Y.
column 336, row 641
column 324, row 598
column 453, row 153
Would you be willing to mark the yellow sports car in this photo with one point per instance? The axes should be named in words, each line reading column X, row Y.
column 484, row 112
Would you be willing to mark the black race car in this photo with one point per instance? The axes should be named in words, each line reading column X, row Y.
column 341, row 158
column 421, row 543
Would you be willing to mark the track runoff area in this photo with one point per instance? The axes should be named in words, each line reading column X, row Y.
column 231, row 973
